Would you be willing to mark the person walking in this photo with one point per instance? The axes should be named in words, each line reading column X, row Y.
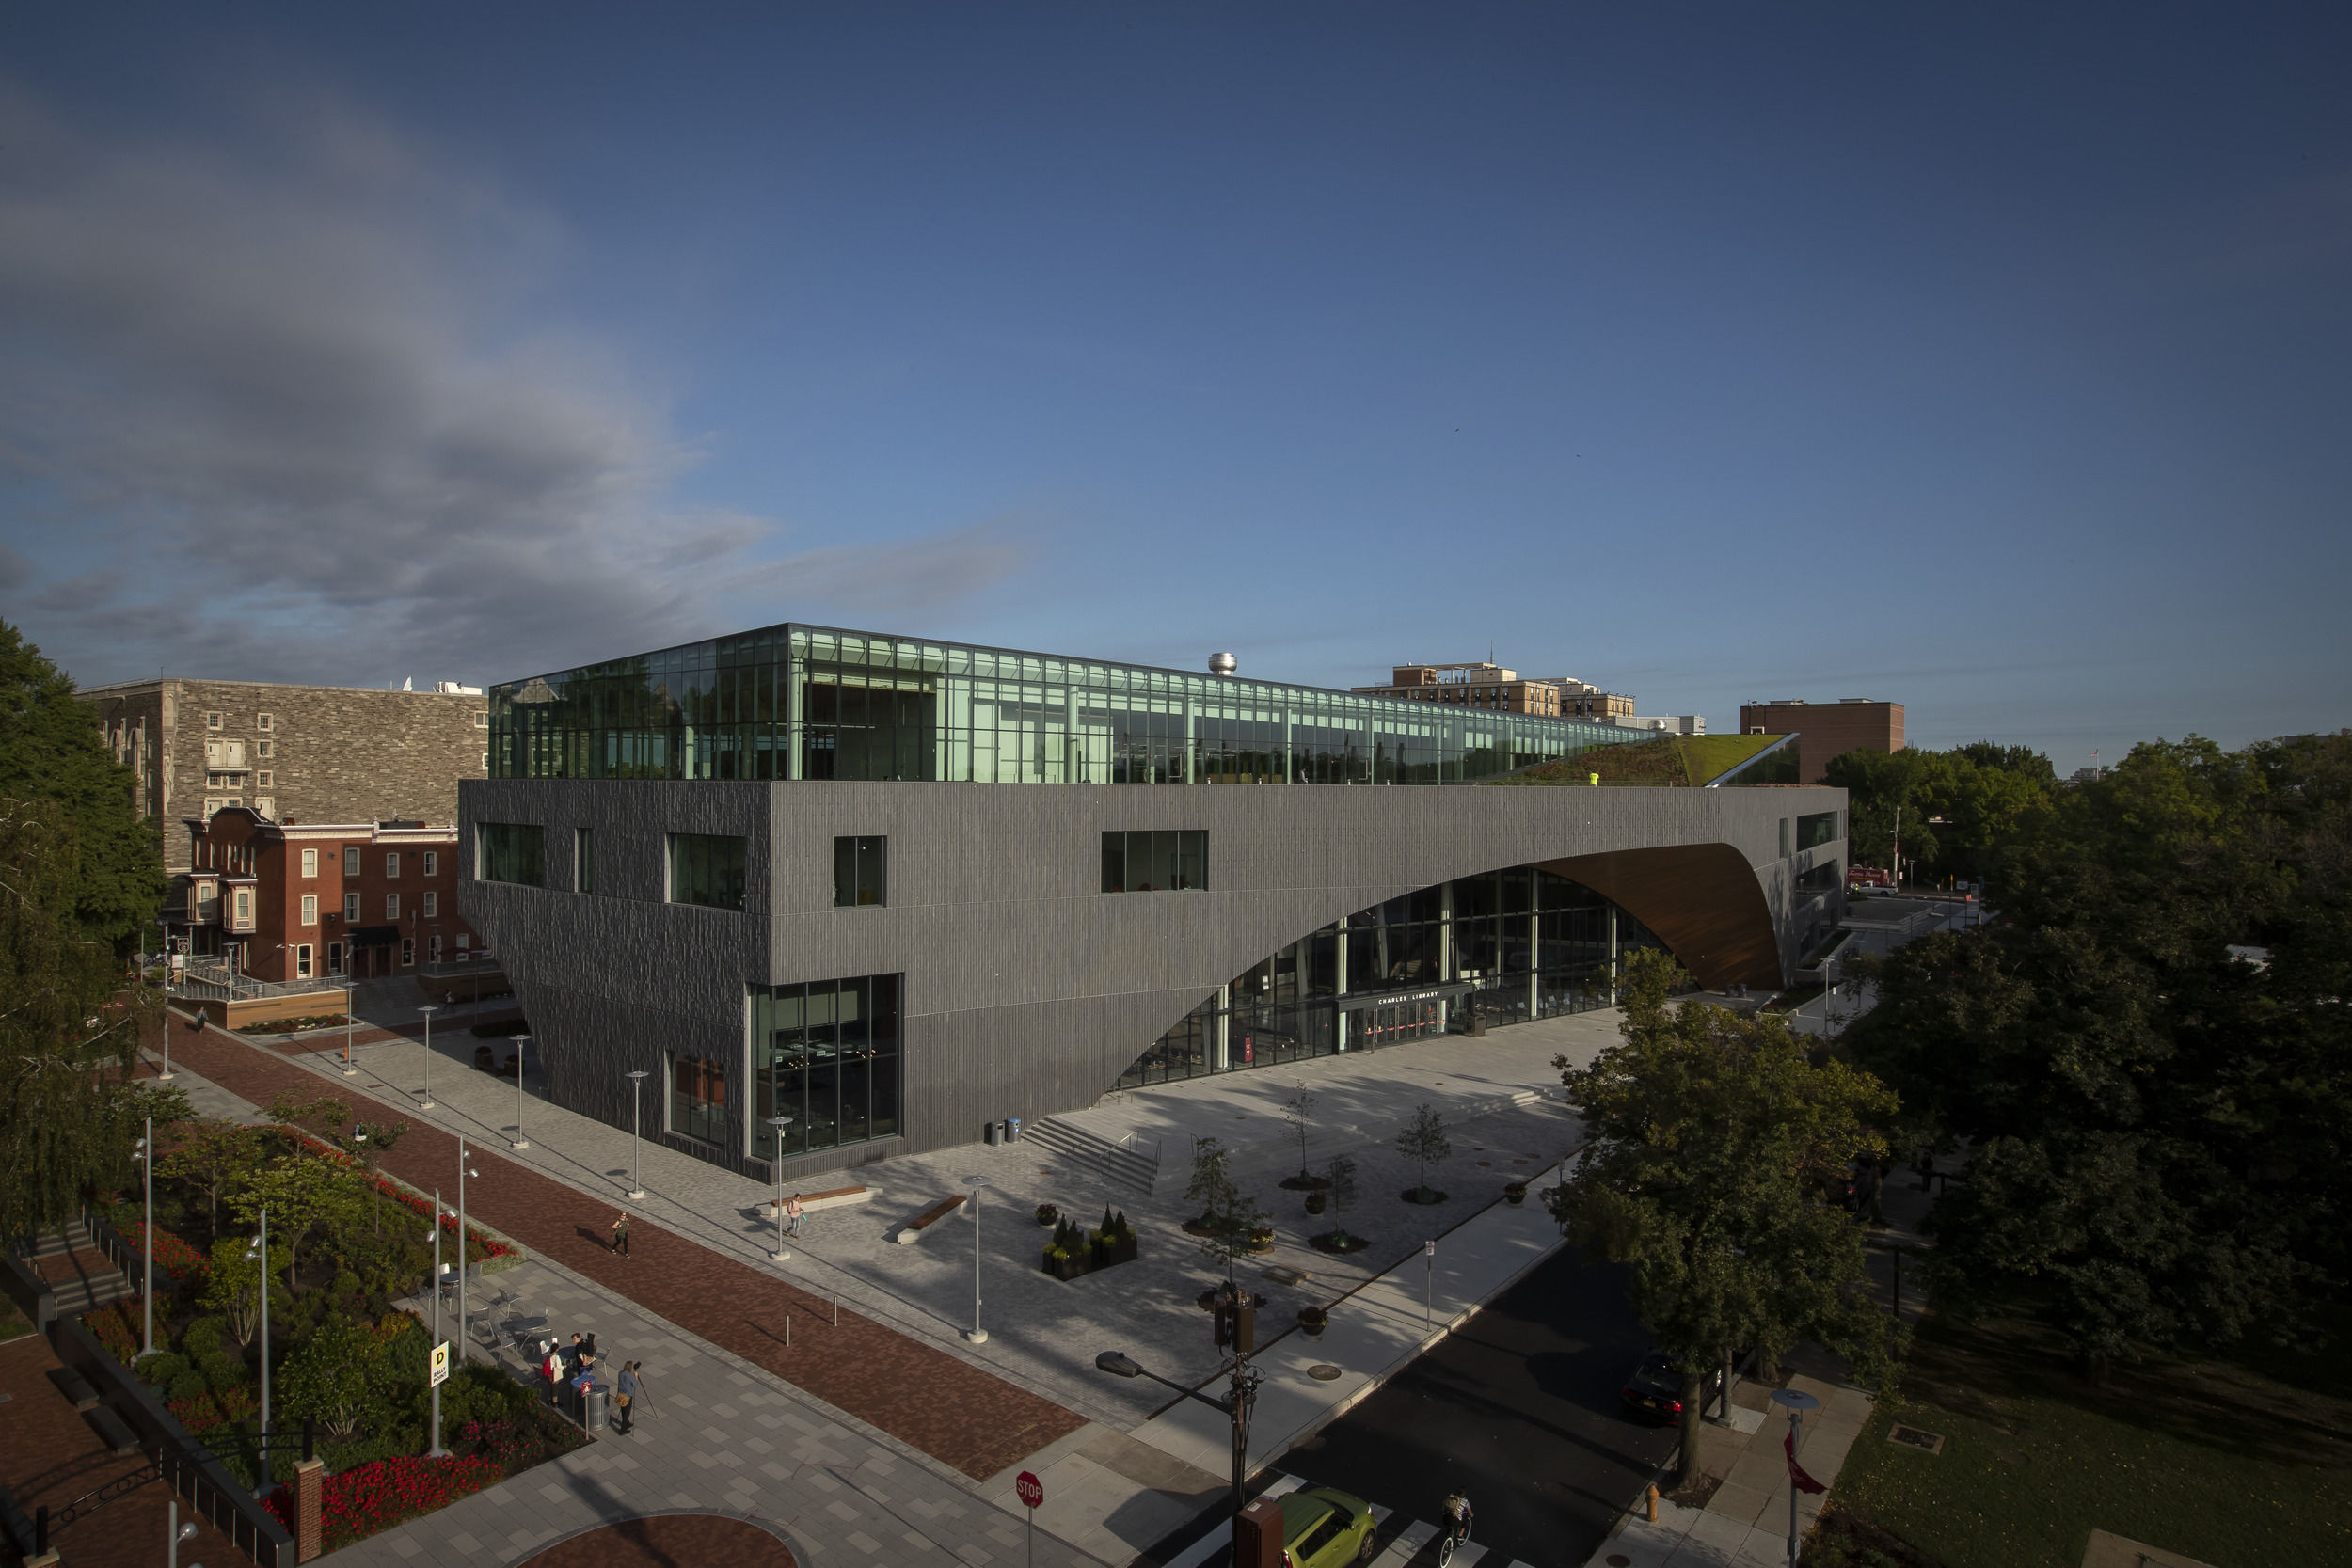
column 620, row 1234
column 626, row 1397
column 792, row 1217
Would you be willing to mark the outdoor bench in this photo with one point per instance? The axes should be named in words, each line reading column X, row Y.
column 928, row 1218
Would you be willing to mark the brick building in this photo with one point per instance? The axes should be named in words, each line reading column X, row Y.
column 1491, row 686
column 288, row 901
column 292, row 753
column 1827, row 730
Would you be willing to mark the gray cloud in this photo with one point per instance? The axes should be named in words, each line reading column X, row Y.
column 279, row 397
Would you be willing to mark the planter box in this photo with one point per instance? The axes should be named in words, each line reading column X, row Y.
column 1069, row 1265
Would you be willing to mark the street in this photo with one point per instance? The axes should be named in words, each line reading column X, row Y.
column 1519, row 1412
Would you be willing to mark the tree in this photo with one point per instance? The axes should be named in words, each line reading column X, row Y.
column 301, row 1193
column 1227, row 1216
column 332, row 1376
column 1958, row 808
column 367, row 1143
column 1423, row 1142
column 70, row 1029
column 320, row 1116
column 51, row 749
column 232, row 1284
column 212, row 1153
column 1299, row 1110
column 2148, row 1056
column 1711, row 1140
column 1341, row 1194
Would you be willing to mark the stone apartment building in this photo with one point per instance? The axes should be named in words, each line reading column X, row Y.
column 300, row 902
column 292, row 754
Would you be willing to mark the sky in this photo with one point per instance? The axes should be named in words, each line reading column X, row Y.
column 1992, row 360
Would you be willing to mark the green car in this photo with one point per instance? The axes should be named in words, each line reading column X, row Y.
column 1324, row 1527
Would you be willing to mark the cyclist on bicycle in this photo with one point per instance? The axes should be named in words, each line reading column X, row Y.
column 1457, row 1524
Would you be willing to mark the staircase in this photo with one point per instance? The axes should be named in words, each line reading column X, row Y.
column 76, row 1269
column 1129, row 1162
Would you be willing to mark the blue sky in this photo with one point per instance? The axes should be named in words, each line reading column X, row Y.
column 1994, row 363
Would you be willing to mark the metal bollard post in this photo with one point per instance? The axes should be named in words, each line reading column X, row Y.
column 836, row 1309
column 787, row 1328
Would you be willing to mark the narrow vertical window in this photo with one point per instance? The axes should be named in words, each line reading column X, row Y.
column 351, row 860
column 391, row 906
column 431, row 905
column 432, row 863
column 302, row 961
column 351, row 907
column 583, row 859
column 858, row 871
column 309, row 863
column 391, row 864
column 309, row 909
column 407, row 952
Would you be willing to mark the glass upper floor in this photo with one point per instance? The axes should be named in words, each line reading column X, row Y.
column 799, row 702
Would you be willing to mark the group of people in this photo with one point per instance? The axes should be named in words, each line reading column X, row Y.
column 574, row 1367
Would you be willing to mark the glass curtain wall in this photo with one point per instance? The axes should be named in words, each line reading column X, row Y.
column 793, row 702
column 1513, row 944
column 826, row 1054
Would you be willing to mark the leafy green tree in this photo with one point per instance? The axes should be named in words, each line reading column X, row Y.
column 302, row 1193
column 1957, row 808
column 70, row 1028
column 1712, row 1138
column 213, row 1153
column 332, row 1377
column 1423, row 1142
column 232, row 1284
column 51, row 749
column 2148, row 1059
column 1341, row 1194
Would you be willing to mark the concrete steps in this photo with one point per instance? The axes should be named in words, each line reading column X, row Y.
column 92, row 1281
column 1127, row 1163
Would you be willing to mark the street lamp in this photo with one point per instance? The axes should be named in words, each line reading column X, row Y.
column 636, row 1132
column 1236, row 1404
column 351, row 1023
column 176, row 1532
column 977, row 1335
column 146, row 1289
column 428, row 1009
column 165, row 1076
column 434, row 1451
column 464, row 1154
column 520, row 1142
column 259, row 1248
column 777, row 1125
column 1796, row 1404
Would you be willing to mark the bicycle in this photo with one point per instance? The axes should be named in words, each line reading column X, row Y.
column 1457, row 1529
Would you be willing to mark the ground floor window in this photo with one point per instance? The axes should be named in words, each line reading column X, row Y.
column 407, row 952
column 302, row 961
column 334, row 958
column 698, row 1099
column 1506, row 945
column 433, row 946
column 826, row 1053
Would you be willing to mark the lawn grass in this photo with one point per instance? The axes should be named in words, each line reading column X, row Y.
column 13, row 1323
column 2214, row 1459
column 1711, row 756
column 1672, row 761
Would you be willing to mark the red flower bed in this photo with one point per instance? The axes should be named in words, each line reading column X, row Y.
column 175, row 1260
column 386, row 1492
column 118, row 1325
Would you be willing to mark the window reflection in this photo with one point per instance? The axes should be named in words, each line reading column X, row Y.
column 827, row 1055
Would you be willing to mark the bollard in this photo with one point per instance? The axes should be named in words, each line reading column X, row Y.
column 1653, row 1503
column 836, row 1309
column 787, row 1328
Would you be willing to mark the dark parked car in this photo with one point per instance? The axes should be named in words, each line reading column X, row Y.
column 1653, row 1391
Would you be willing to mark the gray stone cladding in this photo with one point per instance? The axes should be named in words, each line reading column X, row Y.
column 1028, row 991
column 338, row 754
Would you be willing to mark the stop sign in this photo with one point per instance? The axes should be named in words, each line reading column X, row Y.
column 1030, row 1490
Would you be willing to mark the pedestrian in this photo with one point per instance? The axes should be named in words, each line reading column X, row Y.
column 571, row 1358
column 626, row 1398
column 620, row 1234
column 792, row 1217
column 588, row 1346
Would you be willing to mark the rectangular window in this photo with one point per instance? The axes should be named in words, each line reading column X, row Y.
column 391, row 906
column 212, row 721
column 857, row 871
column 261, row 722
column 1818, row 878
column 391, row 864
column 1165, row 861
column 481, row 720
column 706, row 870
column 432, row 863
column 351, row 908
column 302, row 961
column 407, row 952
column 309, row 863
column 309, row 909
column 265, row 778
column 265, row 749
column 511, row 852
column 224, row 753
column 461, row 938
column 1817, row 830
column 698, row 1099
column 351, row 860
column 244, row 908
column 431, row 905
column 583, row 859
column 433, row 948
column 826, row 1054
column 334, row 958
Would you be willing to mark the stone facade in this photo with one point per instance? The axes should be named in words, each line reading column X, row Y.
column 296, row 753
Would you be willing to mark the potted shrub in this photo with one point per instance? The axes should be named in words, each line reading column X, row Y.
column 1315, row 1202
column 1262, row 1238
column 1047, row 1214
column 1117, row 1244
column 1515, row 1193
column 1312, row 1321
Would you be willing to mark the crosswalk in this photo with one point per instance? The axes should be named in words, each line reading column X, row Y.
column 1408, row 1543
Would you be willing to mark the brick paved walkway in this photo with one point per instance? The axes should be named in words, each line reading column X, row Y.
column 50, row 1456
column 926, row 1399
column 667, row 1540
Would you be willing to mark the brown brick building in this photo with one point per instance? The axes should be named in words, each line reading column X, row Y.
column 1827, row 730
column 292, row 753
column 287, row 902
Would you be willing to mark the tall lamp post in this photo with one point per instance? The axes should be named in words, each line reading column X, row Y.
column 1796, row 1404
column 1236, row 1404
column 464, row 1154
column 776, row 1125
column 520, row 1142
column 351, row 1023
column 977, row 1335
column 261, row 1249
column 165, row 1076
column 428, row 1009
column 636, row 1132
column 144, row 1154
column 434, row 1451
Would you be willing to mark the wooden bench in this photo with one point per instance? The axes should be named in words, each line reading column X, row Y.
column 928, row 1218
column 832, row 1198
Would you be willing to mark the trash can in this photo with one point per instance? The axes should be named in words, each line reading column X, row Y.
column 1013, row 1129
column 989, row 1133
column 592, row 1407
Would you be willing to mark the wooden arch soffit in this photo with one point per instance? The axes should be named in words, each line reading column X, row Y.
column 1702, row 900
